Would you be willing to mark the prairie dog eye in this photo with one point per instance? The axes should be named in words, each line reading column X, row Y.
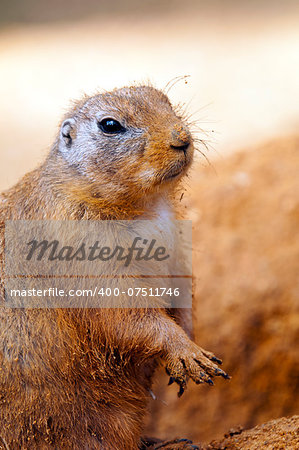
column 110, row 126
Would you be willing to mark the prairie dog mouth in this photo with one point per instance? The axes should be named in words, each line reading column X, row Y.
column 174, row 172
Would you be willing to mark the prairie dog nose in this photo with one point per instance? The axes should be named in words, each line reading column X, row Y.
column 180, row 138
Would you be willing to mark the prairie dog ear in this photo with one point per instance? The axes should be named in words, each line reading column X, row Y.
column 67, row 132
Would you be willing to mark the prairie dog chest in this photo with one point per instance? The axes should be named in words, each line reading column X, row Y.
column 164, row 215
column 163, row 224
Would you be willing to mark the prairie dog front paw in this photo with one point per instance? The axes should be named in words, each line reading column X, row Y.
column 194, row 362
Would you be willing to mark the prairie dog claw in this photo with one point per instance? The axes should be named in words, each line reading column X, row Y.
column 193, row 362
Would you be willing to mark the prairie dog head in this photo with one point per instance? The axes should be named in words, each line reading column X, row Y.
column 126, row 143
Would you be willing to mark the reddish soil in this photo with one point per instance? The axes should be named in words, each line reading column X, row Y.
column 275, row 435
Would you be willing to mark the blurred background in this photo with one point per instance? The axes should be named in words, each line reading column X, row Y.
column 242, row 62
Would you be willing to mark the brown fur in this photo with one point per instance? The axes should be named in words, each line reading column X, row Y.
column 71, row 378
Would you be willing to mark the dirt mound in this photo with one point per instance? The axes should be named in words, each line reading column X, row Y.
column 246, row 305
column 278, row 434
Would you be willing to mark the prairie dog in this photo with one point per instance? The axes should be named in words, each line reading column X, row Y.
column 80, row 378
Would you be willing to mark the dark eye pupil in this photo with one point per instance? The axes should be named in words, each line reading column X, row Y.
column 111, row 126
